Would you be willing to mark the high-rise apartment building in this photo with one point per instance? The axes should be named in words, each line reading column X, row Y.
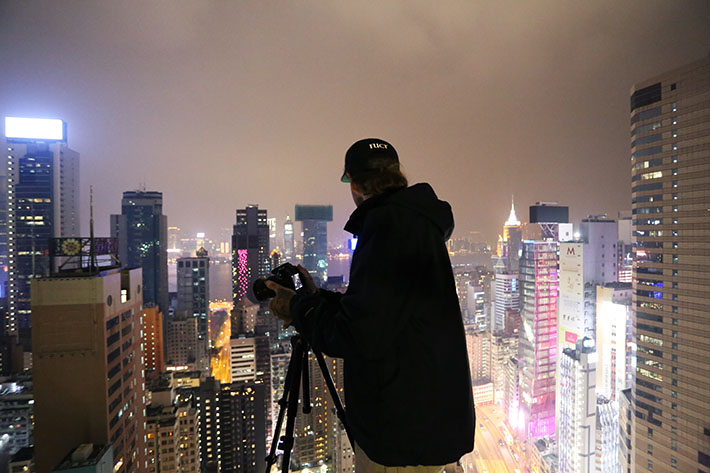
column 142, row 232
column 670, row 175
column 153, row 339
column 316, row 433
column 193, row 289
column 232, row 423
column 172, row 432
column 182, row 341
column 576, row 435
column 250, row 251
column 478, row 346
column 87, row 366
column 503, row 346
column 315, row 220
column 42, row 202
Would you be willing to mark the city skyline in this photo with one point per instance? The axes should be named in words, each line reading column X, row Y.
column 205, row 92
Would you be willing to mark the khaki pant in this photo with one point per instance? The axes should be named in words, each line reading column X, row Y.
column 363, row 464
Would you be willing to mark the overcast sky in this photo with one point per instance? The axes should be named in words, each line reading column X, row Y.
column 219, row 104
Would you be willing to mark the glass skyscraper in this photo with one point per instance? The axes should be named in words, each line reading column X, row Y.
column 142, row 231
column 250, row 251
column 42, row 202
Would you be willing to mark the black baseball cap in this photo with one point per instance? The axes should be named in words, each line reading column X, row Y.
column 370, row 154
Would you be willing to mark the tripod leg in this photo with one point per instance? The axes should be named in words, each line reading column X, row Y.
column 305, row 377
column 292, row 376
column 287, row 440
column 334, row 395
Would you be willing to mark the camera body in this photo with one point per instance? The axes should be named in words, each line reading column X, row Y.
column 282, row 275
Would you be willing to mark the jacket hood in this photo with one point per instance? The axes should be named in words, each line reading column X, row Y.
column 419, row 198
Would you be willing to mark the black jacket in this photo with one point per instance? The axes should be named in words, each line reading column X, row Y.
column 408, row 394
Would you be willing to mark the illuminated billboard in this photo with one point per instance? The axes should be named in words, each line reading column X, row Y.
column 28, row 129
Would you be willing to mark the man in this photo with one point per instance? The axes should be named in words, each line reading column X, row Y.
column 398, row 326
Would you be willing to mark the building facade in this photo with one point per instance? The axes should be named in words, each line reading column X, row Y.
column 670, row 185
column 88, row 371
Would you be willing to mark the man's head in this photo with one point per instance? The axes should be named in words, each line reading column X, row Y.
column 372, row 168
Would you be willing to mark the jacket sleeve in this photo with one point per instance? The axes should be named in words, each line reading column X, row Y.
column 363, row 322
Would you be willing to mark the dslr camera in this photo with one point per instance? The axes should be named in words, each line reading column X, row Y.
column 282, row 275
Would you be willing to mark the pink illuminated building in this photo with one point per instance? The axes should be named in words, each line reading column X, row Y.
column 539, row 281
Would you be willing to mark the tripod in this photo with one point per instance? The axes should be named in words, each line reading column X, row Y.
column 296, row 375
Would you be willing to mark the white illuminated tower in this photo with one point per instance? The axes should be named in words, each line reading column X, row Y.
column 576, row 433
column 42, row 175
column 615, row 343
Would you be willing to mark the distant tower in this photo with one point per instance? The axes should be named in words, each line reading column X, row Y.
column 250, row 251
column 288, row 253
column 42, row 202
column 506, row 267
column 512, row 236
column 315, row 220
column 142, row 232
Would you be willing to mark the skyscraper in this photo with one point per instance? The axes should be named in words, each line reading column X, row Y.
column 87, row 366
column 315, row 220
column 250, row 251
column 670, row 175
column 42, row 202
column 538, row 337
column 142, row 232
column 289, row 251
column 193, row 289
column 539, row 289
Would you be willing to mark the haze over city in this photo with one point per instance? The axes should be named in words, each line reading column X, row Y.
column 223, row 104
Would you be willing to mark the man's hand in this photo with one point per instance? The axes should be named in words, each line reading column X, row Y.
column 307, row 280
column 280, row 305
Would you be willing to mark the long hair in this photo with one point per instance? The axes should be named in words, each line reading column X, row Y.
column 381, row 180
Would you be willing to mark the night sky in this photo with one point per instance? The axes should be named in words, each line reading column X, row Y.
column 219, row 104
